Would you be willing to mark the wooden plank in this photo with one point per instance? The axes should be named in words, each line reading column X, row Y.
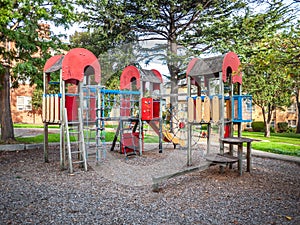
column 206, row 107
column 157, row 180
column 215, row 109
column 219, row 158
column 57, row 109
column 191, row 110
column 198, row 109
column 44, row 108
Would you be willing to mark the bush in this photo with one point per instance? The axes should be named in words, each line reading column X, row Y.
column 291, row 130
column 282, row 126
column 258, row 126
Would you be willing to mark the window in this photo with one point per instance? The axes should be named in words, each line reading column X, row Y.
column 292, row 123
column 292, row 108
column 23, row 103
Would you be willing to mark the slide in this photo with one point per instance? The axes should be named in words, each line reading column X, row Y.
column 167, row 136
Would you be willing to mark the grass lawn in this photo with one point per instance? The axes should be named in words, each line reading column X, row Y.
column 281, row 143
column 109, row 136
column 25, row 125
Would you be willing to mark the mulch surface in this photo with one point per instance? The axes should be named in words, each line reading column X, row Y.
column 34, row 192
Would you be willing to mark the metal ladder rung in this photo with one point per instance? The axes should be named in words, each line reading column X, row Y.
column 78, row 162
column 76, row 152
column 80, row 142
column 77, row 142
column 73, row 123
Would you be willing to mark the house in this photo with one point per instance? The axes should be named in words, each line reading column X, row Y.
column 21, row 107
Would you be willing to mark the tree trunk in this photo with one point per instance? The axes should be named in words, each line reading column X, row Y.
column 267, row 120
column 7, row 130
column 267, row 129
column 298, row 110
column 172, row 66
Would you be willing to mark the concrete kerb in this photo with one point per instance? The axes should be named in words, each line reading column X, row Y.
column 20, row 147
column 270, row 155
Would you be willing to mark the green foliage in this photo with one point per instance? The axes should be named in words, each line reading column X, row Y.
column 21, row 30
column 291, row 130
column 25, row 44
column 170, row 28
column 259, row 38
column 282, row 126
column 36, row 100
column 258, row 126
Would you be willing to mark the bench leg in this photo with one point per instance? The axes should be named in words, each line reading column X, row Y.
column 249, row 157
column 230, row 153
column 240, row 162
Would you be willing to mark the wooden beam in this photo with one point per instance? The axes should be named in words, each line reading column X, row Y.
column 157, row 180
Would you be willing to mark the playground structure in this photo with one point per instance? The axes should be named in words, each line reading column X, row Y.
column 135, row 110
column 215, row 98
column 68, row 76
column 83, row 108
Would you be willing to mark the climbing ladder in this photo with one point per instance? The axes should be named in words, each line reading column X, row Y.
column 75, row 128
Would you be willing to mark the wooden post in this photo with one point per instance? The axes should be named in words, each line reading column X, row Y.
column 46, row 144
column 248, row 157
column 160, row 119
column 240, row 162
column 62, row 146
column 189, row 127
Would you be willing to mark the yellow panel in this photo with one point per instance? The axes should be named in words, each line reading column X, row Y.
column 215, row 109
column 52, row 108
column 198, row 109
column 57, row 108
column 206, row 107
column 191, row 109
column 48, row 109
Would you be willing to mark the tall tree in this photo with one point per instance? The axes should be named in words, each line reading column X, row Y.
column 24, row 45
column 265, row 77
column 267, row 81
column 167, row 26
column 288, row 45
column 170, row 25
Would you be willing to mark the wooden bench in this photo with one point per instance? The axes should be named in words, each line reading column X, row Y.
column 239, row 141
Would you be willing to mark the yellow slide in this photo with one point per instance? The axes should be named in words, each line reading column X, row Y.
column 172, row 138
column 167, row 136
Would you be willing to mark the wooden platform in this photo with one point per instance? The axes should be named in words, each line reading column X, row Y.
column 239, row 142
column 221, row 158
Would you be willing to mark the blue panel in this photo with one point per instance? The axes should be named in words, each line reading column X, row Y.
column 241, row 108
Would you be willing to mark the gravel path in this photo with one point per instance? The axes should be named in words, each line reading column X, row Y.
column 33, row 192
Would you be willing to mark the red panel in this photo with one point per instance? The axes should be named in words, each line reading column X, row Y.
column 75, row 62
column 72, row 108
column 125, row 107
column 147, row 108
column 93, row 109
column 50, row 62
column 227, row 131
column 157, row 74
column 232, row 60
column 156, row 108
column 127, row 75
column 129, row 140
